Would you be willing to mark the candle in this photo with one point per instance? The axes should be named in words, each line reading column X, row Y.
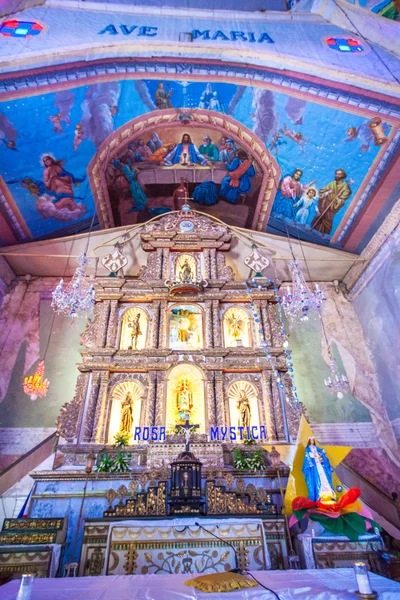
column 25, row 589
column 364, row 586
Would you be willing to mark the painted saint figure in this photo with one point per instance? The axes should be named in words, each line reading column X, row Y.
column 244, row 410
column 163, row 97
column 154, row 142
column 331, row 199
column 290, row 190
column 306, row 205
column 59, row 182
column 185, row 153
column 317, row 472
column 238, row 181
column 208, row 149
column 134, row 325
column 126, row 414
column 138, row 196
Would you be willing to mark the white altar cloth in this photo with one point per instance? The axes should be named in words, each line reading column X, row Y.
column 322, row 584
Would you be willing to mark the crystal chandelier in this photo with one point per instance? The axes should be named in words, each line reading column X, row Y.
column 336, row 383
column 78, row 297
column 299, row 300
column 36, row 385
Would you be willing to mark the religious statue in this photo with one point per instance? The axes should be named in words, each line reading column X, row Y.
column 184, row 398
column 185, row 273
column 243, row 406
column 317, row 472
column 126, row 414
column 134, row 325
column 236, row 326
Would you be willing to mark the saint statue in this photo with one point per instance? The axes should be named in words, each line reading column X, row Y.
column 126, row 414
column 185, row 273
column 243, row 406
column 317, row 472
column 236, row 326
column 184, row 398
column 134, row 325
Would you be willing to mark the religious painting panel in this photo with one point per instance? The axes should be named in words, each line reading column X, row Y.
column 243, row 405
column 134, row 329
column 185, row 397
column 185, row 327
column 237, row 328
column 127, row 397
column 159, row 170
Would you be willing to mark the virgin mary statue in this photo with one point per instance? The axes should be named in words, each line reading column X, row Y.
column 317, row 472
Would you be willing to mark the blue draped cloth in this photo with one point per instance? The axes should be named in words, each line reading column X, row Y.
column 311, row 475
column 206, row 193
column 231, row 194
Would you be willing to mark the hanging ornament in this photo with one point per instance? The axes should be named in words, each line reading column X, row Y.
column 36, row 385
column 337, row 383
column 300, row 302
column 114, row 261
column 78, row 297
column 256, row 261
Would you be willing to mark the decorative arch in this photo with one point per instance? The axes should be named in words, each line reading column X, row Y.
column 191, row 119
column 119, row 393
column 134, row 319
column 185, row 326
column 243, row 396
column 185, row 392
column 237, row 328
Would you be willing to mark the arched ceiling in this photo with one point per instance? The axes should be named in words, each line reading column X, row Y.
column 70, row 92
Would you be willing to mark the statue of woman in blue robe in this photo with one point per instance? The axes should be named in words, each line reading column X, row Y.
column 317, row 472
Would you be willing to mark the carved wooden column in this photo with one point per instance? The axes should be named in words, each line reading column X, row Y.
column 267, row 402
column 279, row 417
column 162, row 335
column 160, row 392
column 265, row 320
column 209, row 324
column 159, row 264
column 219, row 398
column 155, row 323
column 216, row 324
column 102, row 411
column 207, row 271
column 102, row 322
column 213, row 264
column 165, row 265
column 277, row 338
column 151, row 399
column 70, row 419
column 210, row 395
column 112, row 325
column 89, row 416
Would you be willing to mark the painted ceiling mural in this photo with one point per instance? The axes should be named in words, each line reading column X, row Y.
column 324, row 155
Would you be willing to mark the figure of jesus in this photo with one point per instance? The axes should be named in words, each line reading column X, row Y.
column 136, row 331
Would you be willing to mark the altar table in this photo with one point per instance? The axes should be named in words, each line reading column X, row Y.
column 328, row 584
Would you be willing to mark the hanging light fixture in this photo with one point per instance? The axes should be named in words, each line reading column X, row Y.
column 336, row 382
column 299, row 302
column 78, row 297
column 36, row 386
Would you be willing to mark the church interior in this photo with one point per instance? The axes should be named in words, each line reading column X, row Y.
column 199, row 299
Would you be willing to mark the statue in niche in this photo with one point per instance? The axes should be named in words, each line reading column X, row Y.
column 126, row 414
column 134, row 325
column 185, row 273
column 236, row 326
column 317, row 472
column 184, row 398
column 244, row 410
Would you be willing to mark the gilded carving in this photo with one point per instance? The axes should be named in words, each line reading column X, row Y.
column 68, row 422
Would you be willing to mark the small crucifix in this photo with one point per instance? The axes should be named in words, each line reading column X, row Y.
column 187, row 427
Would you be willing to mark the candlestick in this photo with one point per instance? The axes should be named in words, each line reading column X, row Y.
column 364, row 586
column 25, row 589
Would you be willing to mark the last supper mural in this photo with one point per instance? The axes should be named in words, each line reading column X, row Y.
column 159, row 171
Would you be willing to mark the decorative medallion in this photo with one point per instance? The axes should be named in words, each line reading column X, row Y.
column 256, row 261
column 186, row 225
column 114, row 261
